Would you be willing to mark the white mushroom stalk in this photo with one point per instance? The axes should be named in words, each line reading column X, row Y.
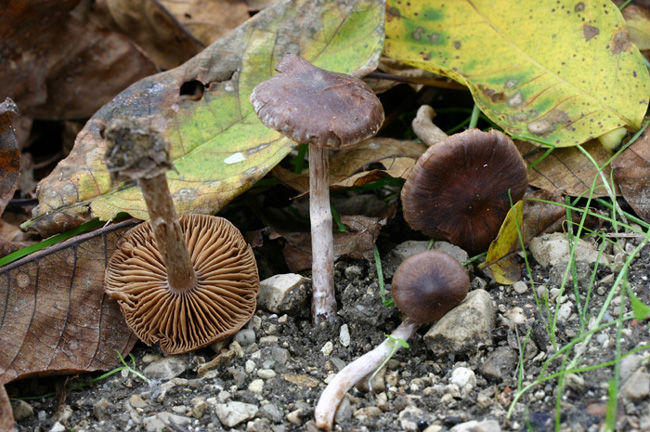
column 356, row 371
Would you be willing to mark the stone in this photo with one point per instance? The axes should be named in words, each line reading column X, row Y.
column 520, row 287
column 258, row 425
column 245, row 337
column 57, row 427
column 21, row 409
column 327, row 348
column 500, row 364
column 464, row 329
column 344, row 335
column 344, row 411
column 256, row 386
column 477, row 426
column 101, row 408
column 553, row 249
column 232, row 413
column 136, row 401
column 409, row 418
column 199, row 407
column 266, row 373
column 167, row 367
column 271, row 412
column 637, row 386
column 280, row 355
column 367, row 412
column 464, row 378
column 284, row 293
column 162, row 422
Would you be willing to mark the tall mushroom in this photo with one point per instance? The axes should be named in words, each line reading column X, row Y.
column 425, row 286
column 461, row 188
column 184, row 283
column 329, row 111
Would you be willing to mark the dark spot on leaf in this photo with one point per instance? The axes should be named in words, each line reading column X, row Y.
column 493, row 95
column 393, row 13
column 511, row 83
column 620, row 42
column 580, row 6
column 516, row 100
column 433, row 37
column 589, row 31
column 192, row 90
column 457, row 44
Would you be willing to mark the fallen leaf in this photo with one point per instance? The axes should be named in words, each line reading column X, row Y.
column 530, row 218
column 9, row 153
column 637, row 19
column 356, row 166
column 302, row 380
column 57, row 64
column 357, row 243
column 53, row 304
column 632, row 175
column 6, row 415
column 566, row 169
column 208, row 20
column 501, row 264
column 563, row 72
column 149, row 24
column 219, row 146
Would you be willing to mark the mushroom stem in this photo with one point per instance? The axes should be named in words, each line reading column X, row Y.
column 168, row 233
column 322, row 240
column 355, row 371
column 424, row 127
column 136, row 150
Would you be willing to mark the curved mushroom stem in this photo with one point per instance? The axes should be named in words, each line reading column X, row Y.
column 355, row 371
column 323, row 305
column 424, row 127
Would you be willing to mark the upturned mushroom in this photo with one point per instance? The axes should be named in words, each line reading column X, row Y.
column 425, row 286
column 184, row 283
column 461, row 188
column 329, row 111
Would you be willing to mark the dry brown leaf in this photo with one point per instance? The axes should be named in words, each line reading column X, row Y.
column 632, row 175
column 53, row 304
column 56, row 64
column 356, row 166
column 566, row 169
column 152, row 27
column 357, row 243
column 9, row 153
column 208, row 20
column 6, row 415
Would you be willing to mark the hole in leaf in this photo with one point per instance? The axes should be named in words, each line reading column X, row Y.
column 192, row 90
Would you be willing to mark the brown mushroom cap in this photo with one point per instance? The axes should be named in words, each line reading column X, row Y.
column 223, row 300
column 312, row 105
column 429, row 284
column 458, row 189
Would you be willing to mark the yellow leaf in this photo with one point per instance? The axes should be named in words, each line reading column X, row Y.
column 502, row 263
column 561, row 72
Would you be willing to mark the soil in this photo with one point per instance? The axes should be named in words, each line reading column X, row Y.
column 281, row 371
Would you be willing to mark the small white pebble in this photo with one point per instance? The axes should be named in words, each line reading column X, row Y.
column 327, row 348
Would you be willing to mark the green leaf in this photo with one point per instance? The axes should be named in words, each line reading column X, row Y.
column 561, row 72
column 219, row 146
column 641, row 310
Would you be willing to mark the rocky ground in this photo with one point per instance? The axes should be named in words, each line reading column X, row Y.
column 460, row 374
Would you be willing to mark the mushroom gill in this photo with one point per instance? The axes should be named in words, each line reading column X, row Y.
column 221, row 302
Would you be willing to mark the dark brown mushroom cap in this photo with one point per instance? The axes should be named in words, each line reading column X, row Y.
column 458, row 189
column 312, row 105
column 429, row 284
column 223, row 300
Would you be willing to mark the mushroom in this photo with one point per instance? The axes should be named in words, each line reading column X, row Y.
column 425, row 286
column 461, row 188
column 329, row 111
column 184, row 283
